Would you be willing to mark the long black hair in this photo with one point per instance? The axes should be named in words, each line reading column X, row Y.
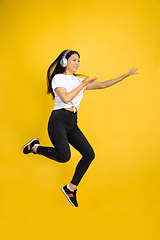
column 56, row 68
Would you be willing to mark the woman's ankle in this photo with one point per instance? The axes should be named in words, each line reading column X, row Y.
column 72, row 187
column 34, row 149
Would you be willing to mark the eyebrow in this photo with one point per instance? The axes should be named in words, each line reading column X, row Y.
column 75, row 58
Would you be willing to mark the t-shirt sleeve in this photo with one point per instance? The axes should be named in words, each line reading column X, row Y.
column 57, row 82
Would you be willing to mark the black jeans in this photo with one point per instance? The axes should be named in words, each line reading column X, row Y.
column 63, row 129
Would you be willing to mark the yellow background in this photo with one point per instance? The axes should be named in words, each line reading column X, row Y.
column 119, row 197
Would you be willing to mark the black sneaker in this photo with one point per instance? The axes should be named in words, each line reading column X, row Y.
column 71, row 196
column 28, row 147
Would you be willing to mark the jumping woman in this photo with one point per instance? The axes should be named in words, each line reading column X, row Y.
column 67, row 89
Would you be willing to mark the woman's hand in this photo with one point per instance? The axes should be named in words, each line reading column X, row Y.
column 131, row 72
column 87, row 81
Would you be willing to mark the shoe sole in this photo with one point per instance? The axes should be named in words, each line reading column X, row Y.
column 30, row 142
column 67, row 197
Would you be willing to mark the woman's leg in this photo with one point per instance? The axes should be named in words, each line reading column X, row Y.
column 61, row 150
column 58, row 136
column 78, row 141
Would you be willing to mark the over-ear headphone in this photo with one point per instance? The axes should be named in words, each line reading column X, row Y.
column 63, row 61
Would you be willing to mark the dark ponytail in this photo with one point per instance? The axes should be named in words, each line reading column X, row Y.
column 56, row 68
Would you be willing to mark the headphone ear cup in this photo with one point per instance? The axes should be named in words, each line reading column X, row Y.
column 63, row 62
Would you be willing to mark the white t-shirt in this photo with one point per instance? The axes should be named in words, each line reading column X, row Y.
column 69, row 82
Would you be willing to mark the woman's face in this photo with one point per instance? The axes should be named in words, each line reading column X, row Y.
column 72, row 64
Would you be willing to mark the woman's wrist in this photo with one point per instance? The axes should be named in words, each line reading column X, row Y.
column 83, row 85
column 124, row 76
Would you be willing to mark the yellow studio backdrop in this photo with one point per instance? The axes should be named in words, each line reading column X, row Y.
column 119, row 196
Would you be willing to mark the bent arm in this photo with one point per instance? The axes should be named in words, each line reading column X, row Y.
column 108, row 83
column 67, row 97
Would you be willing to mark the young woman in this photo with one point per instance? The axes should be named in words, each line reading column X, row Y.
column 67, row 89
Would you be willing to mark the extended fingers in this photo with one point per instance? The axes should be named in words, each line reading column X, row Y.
column 93, row 79
column 90, row 79
column 133, row 71
column 86, row 78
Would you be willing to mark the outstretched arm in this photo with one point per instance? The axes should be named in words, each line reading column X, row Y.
column 108, row 83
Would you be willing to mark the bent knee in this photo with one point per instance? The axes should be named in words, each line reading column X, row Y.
column 65, row 158
column 91, row 156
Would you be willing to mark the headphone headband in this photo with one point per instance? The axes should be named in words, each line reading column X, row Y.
column 65, row 54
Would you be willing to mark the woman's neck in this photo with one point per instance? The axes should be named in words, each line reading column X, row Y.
column 67, row 72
